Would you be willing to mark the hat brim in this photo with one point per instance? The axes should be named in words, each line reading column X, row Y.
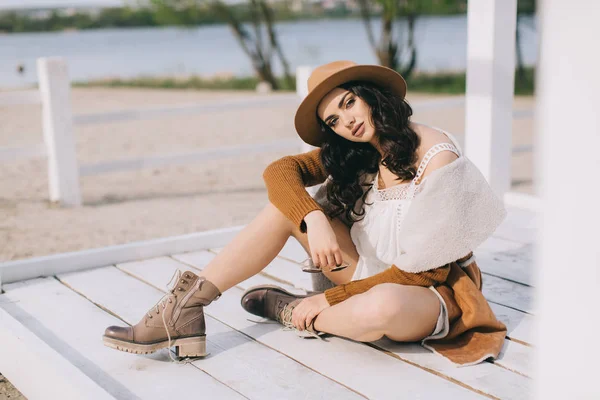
column 306, row 119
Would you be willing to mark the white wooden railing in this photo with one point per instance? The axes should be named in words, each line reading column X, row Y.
column 59, row 141
column 487, row 142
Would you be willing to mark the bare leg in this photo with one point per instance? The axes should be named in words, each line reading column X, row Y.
column 251, row 250
column 402, row 313
column 364, row 317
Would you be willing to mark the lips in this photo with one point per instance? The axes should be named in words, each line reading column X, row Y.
column 357, row 128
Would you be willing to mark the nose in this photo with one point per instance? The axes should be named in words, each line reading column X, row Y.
column 348, row 120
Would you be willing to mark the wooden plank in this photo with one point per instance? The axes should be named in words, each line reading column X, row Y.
column 37, row 370
column 22, row 153
column 520, row 226
column 499, row 289
column 339, row 359
column 186, row 108
column 251, row 369
column 520, row 325
column 205, row 155
column 15, row 271
column 514, row 355
column 517, row 357
column 512, row 359
column 507, row 259
column 508, row 293
column 293, row 251
column 486, row 377
column 286, row 271
column 523, row 200
column 73, row 327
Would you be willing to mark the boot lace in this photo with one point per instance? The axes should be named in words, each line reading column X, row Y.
column 162, row 304
column 167, row 298
column 285, row 318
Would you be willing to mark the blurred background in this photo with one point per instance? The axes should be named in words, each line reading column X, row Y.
column 157, row 85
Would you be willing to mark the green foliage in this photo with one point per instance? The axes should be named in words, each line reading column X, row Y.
column 194, row 82
column 419, row 83
column 455, row 83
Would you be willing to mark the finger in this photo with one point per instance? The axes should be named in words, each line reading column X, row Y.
column 322, row 260
column 315, row 259
column 339, row 260
column 301, row 324
column 331, row 261
column 309, row 318
column 300, row 313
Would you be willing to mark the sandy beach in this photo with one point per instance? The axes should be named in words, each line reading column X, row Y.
column 122, row 207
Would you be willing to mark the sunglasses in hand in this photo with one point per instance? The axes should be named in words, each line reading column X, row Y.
column 309, row 266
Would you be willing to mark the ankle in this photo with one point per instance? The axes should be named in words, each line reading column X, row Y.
column 207, row 291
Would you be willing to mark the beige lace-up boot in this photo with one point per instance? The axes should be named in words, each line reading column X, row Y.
column 176, row 320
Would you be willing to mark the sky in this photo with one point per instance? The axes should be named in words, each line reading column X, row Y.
column 16, row 4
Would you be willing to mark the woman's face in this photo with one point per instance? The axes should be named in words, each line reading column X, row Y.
column 347, row 115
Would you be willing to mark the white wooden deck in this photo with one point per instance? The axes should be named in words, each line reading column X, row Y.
column 51, row 327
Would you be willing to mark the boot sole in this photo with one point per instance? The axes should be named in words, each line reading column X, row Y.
column 185, row 347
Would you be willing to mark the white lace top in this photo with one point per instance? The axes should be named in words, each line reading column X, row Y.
column 375, row 236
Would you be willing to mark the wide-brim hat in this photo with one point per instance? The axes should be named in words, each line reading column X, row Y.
column 329, row 76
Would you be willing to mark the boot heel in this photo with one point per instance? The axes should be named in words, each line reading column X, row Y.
column 193, row 347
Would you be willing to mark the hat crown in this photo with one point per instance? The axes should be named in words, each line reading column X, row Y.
column 323, row 72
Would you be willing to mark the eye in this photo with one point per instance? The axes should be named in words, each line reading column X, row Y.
column 349, row 103
column 332, row 122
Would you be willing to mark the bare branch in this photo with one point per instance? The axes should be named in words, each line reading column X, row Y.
column 268, row 16
column 366, row 17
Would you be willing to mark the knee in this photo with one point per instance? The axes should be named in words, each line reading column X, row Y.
column 275, row 215
column 382, row 305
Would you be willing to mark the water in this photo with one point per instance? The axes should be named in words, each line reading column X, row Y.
column 441, row 45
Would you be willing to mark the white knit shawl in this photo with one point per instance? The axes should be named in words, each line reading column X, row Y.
column 455, row 211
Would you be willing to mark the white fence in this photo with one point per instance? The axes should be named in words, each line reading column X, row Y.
column 487, row 142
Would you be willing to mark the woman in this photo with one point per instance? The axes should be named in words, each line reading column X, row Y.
column 393, row 226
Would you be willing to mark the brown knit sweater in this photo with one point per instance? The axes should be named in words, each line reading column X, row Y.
column 475, row 333
column 286, row 180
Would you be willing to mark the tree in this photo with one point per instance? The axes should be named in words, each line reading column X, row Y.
column 523, row 7
column 388, row 49
column 260, row 45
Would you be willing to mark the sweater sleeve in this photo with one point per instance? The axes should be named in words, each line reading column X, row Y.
column 391, row 275
column 286, row 180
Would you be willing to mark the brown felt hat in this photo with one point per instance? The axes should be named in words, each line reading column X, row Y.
column 329, row 76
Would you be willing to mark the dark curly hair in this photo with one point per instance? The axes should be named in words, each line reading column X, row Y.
column 346, row 161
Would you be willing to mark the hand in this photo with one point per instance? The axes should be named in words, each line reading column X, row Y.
column 308, row 309
column 322, row 241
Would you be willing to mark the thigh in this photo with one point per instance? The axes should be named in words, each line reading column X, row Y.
column 411, row 312
column 349, row 253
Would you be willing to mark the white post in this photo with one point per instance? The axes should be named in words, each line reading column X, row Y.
column 568, row 257
column 302, row 74
column 490, row 88
column 63, row 171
